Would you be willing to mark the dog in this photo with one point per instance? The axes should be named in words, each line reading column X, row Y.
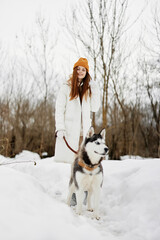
column 87, row 172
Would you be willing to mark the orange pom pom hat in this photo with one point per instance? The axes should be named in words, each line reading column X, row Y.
column 82, row 62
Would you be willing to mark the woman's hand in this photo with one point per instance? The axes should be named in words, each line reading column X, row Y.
column 61, row 134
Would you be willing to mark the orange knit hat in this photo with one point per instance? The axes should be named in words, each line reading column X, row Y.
column 82, row 62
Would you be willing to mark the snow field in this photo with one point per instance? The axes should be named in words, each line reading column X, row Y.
column 32, row 202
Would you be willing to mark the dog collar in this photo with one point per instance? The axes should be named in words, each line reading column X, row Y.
column 84, row 165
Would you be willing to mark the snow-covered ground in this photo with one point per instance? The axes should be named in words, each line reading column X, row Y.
column 32, row 201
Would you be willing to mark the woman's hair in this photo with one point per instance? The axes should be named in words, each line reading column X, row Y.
column 73, row 83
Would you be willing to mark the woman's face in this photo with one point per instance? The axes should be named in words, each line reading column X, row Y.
column 81, row 72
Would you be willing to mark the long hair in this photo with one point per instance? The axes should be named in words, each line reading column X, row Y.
column 73, row 83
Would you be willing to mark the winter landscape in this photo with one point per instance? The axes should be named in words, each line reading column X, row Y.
column 32, row 202
column 40, row 41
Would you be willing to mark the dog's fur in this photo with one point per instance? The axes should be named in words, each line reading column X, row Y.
column 88, row 176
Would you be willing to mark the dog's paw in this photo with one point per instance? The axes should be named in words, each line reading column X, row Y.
column 98, row 218
column 90, row 209
column 78, row 212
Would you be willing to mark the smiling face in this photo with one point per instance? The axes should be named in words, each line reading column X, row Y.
column 81, row 72
column 95, row 145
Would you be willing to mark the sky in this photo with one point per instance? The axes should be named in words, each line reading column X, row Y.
column 17, row 16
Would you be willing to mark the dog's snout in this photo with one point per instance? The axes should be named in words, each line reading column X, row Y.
column 106, row 149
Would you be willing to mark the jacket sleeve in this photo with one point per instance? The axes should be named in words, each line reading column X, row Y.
column 95, row 96
column 60, row 108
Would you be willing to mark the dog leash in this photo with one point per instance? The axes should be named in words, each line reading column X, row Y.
column 69, row 146
column 76, row 152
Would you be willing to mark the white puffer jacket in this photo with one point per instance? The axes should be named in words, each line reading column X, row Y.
column 70, row 116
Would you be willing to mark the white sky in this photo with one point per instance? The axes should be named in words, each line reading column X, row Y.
column 16, row 14
column 19, row 15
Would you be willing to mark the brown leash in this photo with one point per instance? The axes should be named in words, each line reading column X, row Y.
column 76, row 152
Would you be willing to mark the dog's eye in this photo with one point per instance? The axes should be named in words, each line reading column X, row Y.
column 97, row 143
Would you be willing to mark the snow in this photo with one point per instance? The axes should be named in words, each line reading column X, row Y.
column 32, row 201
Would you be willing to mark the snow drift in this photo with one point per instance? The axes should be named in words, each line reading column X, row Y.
column 32, row 201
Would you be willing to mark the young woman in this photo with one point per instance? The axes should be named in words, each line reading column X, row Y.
column 77, row 98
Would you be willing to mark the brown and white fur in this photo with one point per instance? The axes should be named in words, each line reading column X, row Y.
column 87, row 172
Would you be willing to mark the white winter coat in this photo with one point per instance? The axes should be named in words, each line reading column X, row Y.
column 70, row 116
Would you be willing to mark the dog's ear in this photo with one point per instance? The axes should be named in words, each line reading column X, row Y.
column 90, row 132
column 103, row 133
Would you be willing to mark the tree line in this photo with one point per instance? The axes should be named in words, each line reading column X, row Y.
column 129, row 83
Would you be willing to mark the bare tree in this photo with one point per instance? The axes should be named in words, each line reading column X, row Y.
column 102, row 38
column 150, row 66
column 27, row 103
column 40, row 59
column 99, row 33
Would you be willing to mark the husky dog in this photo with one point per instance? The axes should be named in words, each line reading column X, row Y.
column 87, row 172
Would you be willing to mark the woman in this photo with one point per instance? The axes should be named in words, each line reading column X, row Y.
column 76, row 99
